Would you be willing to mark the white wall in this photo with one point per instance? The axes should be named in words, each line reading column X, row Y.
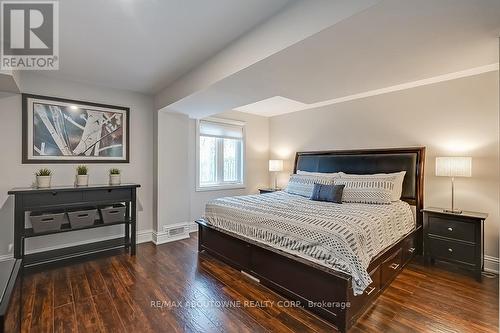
column 178, row 201
column 173, row 177
column 15, row 174
column 257, row 157
column 458, row 117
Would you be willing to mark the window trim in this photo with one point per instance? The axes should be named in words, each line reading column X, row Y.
column 225, row 186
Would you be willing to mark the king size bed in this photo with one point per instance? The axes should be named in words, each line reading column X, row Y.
column 334, row 259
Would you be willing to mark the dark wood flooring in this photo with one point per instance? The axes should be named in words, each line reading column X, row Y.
column 170, row 289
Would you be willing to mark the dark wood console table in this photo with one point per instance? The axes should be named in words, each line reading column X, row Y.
column 70, row 197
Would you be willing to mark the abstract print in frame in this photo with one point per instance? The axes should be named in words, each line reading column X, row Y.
column 57, row 130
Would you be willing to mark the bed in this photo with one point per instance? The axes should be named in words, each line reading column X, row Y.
column 334, row 259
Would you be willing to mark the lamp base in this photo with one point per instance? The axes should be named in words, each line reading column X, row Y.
column 453, row 211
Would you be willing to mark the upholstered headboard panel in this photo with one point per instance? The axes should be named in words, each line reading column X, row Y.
column 367, row 162
column 371, row 161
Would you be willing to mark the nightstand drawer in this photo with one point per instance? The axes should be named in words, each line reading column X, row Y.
column 449, row 250
column 451, row 228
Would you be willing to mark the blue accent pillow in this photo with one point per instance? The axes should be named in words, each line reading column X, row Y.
column 330, row 193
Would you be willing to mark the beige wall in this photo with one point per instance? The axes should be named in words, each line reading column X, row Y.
column 13, row 173
column 458, row 117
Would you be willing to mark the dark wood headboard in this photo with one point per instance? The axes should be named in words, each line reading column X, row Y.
column 369, row 161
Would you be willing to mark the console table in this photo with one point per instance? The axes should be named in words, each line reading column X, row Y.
column 70, row 197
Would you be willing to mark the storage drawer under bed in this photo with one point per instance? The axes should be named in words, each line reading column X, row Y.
column 370, row 292
column 391, row 267
column 228, row 248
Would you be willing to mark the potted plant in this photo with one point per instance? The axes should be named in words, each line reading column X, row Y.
column 82, row 177
column 43, row 177
column 114, row 176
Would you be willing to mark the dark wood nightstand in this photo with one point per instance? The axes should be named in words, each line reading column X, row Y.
column 268, row 190
column 455, row 238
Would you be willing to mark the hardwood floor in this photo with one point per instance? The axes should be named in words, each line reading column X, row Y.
column 169, row 289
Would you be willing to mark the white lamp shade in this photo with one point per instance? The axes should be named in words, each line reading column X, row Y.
column 275, row 165
column 454, row 166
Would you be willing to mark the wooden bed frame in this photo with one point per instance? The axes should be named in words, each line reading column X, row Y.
column 323, row 291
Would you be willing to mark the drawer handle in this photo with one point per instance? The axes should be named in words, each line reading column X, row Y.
column 83, row 215
column 109, row 190
column 411, row 249
column 47, row 219
column 450, row 229
column 370, row 291
column 450, row 250
column 54, row 193
column 394, row 266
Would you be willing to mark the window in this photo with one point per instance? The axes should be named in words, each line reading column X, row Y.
column 220, row 154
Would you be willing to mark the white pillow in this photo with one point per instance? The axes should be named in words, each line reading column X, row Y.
column 303, row 185
column 324, row 174
column 397, row 177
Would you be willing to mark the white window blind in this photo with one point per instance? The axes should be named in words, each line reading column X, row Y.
column 220, row 130
column 220, row 154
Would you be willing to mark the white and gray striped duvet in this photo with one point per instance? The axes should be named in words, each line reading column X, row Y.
column 344, row 237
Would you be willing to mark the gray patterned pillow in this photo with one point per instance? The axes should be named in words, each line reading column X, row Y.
column 304, row 184
column 369, row 189
column 397, row 177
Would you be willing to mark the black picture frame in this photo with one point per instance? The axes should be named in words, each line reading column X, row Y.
column 27, row 132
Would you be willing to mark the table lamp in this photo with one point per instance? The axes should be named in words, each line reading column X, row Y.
column 275, row 166
column 453, row 167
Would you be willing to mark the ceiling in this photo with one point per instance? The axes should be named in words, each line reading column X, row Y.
column 144, row 45
column 270, row 57
column 391, row 43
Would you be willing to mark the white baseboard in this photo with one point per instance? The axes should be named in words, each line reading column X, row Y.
column 182, row 231
column 491, row 264
column 143, row 236
column 163, row 237
column 193, row 227
column 6, row 257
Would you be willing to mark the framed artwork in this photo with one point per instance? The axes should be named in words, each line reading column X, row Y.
column 57, row 130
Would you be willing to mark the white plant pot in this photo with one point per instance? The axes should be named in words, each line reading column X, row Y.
column 82, row 180
column 115, row 179
column 43, row 181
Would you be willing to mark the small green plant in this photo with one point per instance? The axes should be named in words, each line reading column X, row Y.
column 114, row 171
column 82, row 170
column 43, row 172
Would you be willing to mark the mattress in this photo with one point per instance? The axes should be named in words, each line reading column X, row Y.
column 344, row 237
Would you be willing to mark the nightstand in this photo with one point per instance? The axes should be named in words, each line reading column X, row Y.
column 268, row 190
column 455, row 238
